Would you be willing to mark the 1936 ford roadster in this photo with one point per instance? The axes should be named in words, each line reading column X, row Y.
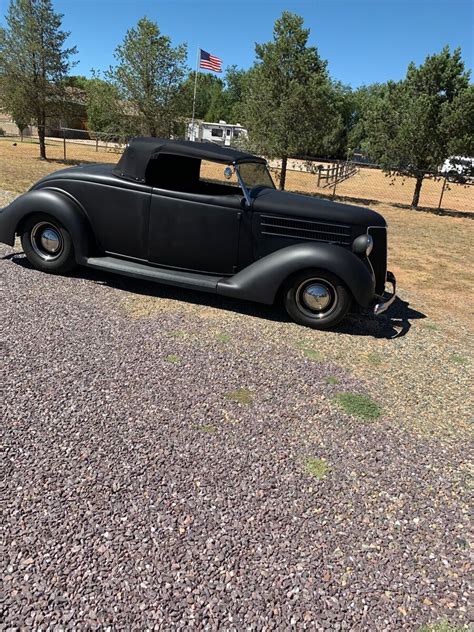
column 164, row 213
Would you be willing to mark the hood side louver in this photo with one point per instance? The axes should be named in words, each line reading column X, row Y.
column 305, row 229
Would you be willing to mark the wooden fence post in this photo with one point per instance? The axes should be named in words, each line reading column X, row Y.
column 334, row 187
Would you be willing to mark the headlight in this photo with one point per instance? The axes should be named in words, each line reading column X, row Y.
column 363, row 245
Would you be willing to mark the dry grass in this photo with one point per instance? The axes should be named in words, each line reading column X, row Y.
column 20, row 167
column 373, row 184
column 432, row 258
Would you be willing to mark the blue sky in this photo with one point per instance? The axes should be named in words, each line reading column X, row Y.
column 363, row 40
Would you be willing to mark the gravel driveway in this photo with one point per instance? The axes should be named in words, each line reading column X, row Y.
column 167, row 469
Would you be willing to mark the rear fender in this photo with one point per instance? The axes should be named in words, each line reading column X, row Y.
column 262, row 280
column 53, row 202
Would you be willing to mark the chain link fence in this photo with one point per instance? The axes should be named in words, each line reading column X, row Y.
column 73, row 145
column 340, row 180
column 369, row 183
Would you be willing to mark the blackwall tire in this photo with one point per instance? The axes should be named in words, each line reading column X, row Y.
column 316, row 299
column 47, row 244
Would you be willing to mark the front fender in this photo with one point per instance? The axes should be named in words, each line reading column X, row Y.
column 261, row 280
column 53, row 202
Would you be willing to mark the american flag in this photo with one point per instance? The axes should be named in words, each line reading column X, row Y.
column 210, row 62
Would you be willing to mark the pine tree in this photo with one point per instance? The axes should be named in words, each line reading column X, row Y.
column 148, row 76
column 34, row 62
column 420, row 121
column 288, row 109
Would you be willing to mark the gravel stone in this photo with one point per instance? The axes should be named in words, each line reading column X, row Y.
column 121, row 509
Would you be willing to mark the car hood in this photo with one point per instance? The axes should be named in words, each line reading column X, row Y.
column 273, row 201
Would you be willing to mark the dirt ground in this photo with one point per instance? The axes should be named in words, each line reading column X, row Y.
column 20, row 168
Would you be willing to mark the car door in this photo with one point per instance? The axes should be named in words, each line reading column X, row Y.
column 118, row 214
column 194, row 232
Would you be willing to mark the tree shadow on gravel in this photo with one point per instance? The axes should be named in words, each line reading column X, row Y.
column 395, row 323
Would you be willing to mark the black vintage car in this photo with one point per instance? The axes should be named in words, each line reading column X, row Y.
column 165, row 213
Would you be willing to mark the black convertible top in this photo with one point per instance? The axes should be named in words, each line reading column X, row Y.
column 139, row 151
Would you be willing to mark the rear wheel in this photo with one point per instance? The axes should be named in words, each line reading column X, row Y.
column 47, row 244
column 317, row 299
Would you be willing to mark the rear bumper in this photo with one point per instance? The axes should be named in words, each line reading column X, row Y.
column 383, row 302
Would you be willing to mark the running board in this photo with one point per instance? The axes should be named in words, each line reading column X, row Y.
column 188, row 280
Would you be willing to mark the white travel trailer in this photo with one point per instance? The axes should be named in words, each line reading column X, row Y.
column 221, row 133
column 461, row 165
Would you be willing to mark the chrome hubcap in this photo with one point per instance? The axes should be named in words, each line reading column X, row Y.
column 50, row 240
column 316, row 298
column 47, row 241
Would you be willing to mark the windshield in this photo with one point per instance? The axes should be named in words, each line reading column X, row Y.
column 255, row 174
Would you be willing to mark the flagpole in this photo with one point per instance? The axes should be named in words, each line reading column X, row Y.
column 195, row 88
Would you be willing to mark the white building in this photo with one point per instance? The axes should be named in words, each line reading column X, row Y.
column 221, row 133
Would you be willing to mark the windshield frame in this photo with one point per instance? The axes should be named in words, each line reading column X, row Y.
column 242, row 182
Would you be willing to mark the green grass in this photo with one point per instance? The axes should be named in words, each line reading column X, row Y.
column 316, row 467
column 206, row 428
column 224, row 338
column 240, row 395
column 331, row 379
column 441, row 626
column 375, row 359
column 174, row 359
column 432, row 326
column 358, row 405
column 457, row 358
column 311, row 354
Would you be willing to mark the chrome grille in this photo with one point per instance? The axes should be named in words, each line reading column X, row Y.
column 305, row 229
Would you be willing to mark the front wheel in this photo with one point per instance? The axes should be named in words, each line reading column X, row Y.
column 47, row 244
column 317, row 299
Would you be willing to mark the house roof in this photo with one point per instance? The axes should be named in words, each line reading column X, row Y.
column 139, row 151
